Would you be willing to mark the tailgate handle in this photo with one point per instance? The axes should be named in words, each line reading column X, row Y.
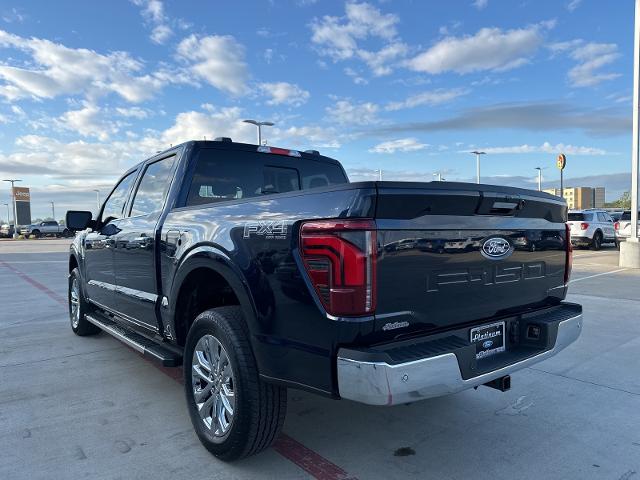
column 506, row 207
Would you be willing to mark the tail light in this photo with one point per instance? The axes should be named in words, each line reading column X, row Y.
column 340, row 259
column 568, row 265
column 584, row 226
column 616, row 226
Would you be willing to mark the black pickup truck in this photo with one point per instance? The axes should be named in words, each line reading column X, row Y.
column 260, row 268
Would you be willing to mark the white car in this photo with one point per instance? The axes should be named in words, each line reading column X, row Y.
column 623, row 226
column 591, row 228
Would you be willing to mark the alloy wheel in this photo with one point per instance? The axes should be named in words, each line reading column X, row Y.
column 213, row 386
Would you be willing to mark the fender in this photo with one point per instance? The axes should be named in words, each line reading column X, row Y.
column 215, row 259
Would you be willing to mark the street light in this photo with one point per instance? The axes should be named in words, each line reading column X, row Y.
column 97, row 197
column 15, row 208
column 259, row 125
column 539, row 178
column 477, row 154
column 8, row 215
column 439, row 175
column 53, row 210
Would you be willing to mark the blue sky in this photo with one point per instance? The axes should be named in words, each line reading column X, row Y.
column 89, row 88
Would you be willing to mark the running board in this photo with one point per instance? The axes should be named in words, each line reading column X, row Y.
column 167, row 355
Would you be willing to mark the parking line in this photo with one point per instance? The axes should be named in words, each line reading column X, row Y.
column 598, row 275
column 50, row 293
column 308, row 460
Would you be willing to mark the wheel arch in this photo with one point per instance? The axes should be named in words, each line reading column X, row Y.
column 207, row 267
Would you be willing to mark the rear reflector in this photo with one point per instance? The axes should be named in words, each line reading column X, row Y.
column 279, row 151
column 340, row 258
column 569, row 256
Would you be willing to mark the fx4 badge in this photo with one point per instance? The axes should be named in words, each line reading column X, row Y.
column 268, row 229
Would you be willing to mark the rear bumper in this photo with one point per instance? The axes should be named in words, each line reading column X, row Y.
column 382, row 383
column 580, row 240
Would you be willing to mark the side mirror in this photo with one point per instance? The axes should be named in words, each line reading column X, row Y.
column 78, row 220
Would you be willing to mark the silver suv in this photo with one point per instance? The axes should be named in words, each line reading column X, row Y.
column 591, row 228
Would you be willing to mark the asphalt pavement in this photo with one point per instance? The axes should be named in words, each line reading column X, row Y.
column 90, row 407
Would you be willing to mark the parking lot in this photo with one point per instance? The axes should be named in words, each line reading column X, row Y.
column 74, row 407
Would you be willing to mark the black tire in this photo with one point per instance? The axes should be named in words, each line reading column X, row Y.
column 259, row 408
column 36, row 233
column 66, row 233
column 596, row 243
column 80, row 325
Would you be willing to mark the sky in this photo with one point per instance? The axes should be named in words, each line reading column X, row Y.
column 88, row 89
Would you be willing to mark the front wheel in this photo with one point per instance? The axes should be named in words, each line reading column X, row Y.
column 36, row 234
column 78, row 306
column 234, row 413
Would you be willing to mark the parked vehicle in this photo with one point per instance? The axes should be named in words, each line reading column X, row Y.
column 6, row 230
column 261, row 268
column 591, row 228
column 623, row 226
column 49, row 228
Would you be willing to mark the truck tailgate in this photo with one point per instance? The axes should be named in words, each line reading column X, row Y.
column 452, row 254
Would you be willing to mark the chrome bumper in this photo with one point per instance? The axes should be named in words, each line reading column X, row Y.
column 378, row 383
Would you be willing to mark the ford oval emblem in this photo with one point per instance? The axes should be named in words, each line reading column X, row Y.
column 487, row 344
column 496, row 248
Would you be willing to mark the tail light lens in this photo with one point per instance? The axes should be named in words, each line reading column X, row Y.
column 340, row 259
column 584, row 226
column 568, row 265
column 616, row 226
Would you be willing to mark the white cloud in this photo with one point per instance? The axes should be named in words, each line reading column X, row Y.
column 308, row 137
column 216, row 60
column 343, row 112
column 488, row 49
column 283, row 93
column 194, row 125
column 434, row 97
column 89, row 121
column 338, row 37
column 55, row 70
column 573, row 4
column 480, row 4
column 133, row 112
column 591, row 57
column 153, row 14
column 546, row 147
column 400, row 145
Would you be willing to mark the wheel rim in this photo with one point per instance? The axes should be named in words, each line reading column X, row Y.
column 74, row 299
column 213, row 385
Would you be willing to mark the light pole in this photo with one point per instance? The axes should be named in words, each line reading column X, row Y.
column 53, row 210
column 539, row 178
column 15, row 208
column 439, row 175
column 8, row 215
column 259, row 125
column 630, row 250
column 477, row 154
column 379, row 170
column 97, row 198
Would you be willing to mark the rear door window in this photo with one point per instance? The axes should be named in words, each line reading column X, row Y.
column 153, row 187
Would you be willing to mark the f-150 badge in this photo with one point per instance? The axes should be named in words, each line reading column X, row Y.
column 268, row 229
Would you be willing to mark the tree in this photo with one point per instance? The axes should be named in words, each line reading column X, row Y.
column 623, row 202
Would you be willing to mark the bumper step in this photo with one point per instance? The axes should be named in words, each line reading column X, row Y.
column 167, row 355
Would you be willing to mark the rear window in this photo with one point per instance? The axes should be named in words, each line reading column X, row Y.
column 222, row 175
column 627, row 216
column 578, row 217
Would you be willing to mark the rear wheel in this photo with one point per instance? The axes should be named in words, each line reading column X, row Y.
column 596, row 243
column 234, row 413
column 78, row 307
column 66, row 233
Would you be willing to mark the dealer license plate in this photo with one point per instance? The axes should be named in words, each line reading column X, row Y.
column 488, row 339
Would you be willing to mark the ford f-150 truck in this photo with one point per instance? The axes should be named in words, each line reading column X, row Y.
column 260, row 269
